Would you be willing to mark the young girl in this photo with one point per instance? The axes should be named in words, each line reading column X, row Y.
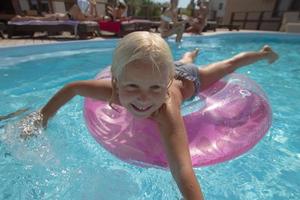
column 147, row 82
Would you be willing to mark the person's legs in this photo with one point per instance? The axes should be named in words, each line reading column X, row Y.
column 76, row 13
column 177, row 29
column 25, row 18
column 46, row 17
column 55, row 17
column 95, row 13
column 93, row 8
column 213, row 72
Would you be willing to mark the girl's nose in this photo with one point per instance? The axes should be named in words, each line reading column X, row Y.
column 143, row 96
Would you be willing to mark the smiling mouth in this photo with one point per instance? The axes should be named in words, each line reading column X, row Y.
column 140, row 108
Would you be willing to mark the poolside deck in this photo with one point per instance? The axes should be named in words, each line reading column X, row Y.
column 30, row 41
column 38, row 40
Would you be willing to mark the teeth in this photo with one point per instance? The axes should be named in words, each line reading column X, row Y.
column 141, row 108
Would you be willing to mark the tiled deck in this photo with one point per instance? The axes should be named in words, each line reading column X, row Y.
column 29, row 41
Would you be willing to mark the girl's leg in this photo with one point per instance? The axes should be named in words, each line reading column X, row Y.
column 190, row 56
column 213, row 72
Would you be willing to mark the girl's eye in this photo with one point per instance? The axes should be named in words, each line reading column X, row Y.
column 156, row 88
column 131, row 87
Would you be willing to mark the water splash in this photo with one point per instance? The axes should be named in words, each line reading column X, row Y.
column 19, row 143
column 31, row 125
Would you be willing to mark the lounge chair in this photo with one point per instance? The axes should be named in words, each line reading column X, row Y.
column 121, row 28
column 291, row 27
column 79, row 28
column 230, row 27
column 213, row 25
column 291, row 22
column 210, row 25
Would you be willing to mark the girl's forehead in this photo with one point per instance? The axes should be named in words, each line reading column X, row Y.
column 141, row 69
column 147, row 65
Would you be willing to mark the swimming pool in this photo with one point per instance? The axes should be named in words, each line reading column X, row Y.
column 65, row 162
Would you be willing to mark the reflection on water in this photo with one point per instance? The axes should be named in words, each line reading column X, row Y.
column 65, row 162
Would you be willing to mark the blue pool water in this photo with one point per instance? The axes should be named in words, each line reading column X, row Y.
column 65, row 162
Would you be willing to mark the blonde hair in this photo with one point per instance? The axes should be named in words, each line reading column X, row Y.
column 142, row 45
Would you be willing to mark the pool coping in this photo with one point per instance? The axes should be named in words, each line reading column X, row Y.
column 205, row 34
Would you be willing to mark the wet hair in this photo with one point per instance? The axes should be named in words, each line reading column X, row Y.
column 142, row 45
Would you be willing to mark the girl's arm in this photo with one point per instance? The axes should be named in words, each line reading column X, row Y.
column 97, row 89
column 175, row 141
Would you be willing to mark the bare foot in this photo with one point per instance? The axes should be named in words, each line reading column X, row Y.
column 189, row 57
column 196, row 52
column 271, row 55
column 16, row 18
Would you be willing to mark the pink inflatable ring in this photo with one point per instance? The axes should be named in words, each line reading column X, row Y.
column 222, row 122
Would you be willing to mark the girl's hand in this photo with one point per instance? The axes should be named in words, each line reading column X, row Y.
column 31, row 125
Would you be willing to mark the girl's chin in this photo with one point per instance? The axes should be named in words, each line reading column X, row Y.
column 141, row 115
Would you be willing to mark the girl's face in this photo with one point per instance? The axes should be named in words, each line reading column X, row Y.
column 142, row 88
